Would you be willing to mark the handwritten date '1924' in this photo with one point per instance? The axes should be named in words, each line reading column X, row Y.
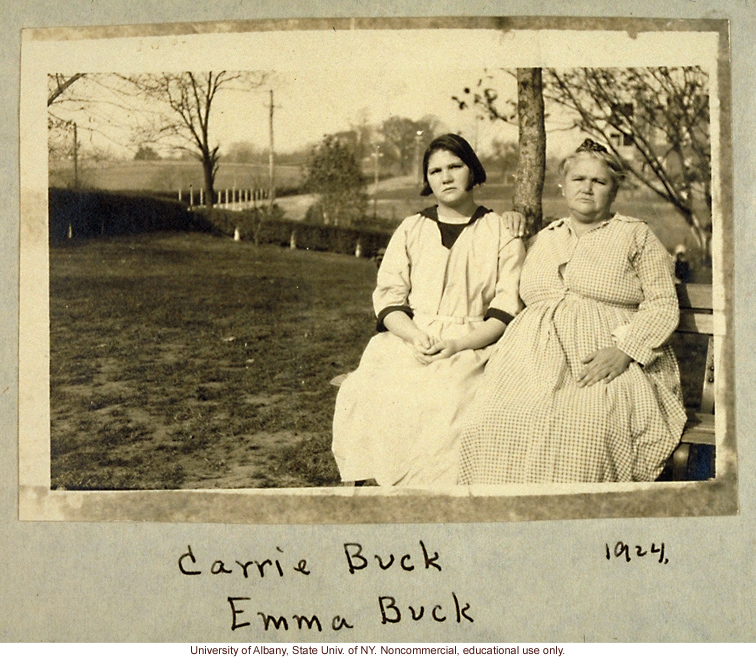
column 633, row 552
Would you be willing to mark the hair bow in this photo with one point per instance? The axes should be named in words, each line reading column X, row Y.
column 590, row 145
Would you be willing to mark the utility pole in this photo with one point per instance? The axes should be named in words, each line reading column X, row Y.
column 271, row 179
column 76, row 156
column 376, row 155
column 418, row 167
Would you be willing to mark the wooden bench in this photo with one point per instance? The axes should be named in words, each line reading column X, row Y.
column 696, row 449
column 696, row 317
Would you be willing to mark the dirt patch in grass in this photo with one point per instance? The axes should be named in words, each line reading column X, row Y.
column 188, row 361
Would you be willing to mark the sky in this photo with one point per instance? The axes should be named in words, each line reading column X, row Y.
column 309, row 105
column 326, row 80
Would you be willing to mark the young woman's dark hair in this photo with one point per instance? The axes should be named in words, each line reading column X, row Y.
column 459, row 147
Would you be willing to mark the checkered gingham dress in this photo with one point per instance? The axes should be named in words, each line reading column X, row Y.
column 530, row 423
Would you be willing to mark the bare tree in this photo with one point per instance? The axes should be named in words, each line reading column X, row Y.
column 183, row 103
column 531, row 166
column 527, row 112
column 58, row 83
column 406, row 139
column 90, row 104
column 656, row 120
column 66, row 109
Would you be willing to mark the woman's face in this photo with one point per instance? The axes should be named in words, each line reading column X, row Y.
column 589, row 189
column 449, row 177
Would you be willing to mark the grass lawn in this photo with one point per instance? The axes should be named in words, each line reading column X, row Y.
column 187, row 361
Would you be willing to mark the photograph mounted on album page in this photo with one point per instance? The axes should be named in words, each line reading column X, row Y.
column 271, row 275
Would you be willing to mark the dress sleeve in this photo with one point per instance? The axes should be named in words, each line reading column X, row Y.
column 393, row 287
column 506, row 302
column 658, row 313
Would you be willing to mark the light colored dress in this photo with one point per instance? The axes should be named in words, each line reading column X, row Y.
column 399, row 421
column 530, row 422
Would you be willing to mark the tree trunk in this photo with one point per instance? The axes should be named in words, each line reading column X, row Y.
column 702, row 236
column 207, row 168
column 532, row 146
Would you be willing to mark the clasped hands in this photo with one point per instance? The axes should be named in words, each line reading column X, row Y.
column 603, row 365
column 427, row 349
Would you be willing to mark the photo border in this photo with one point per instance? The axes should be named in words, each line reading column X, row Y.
column 370, row 505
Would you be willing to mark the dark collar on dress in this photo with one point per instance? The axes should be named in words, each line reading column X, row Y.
column 450, row 232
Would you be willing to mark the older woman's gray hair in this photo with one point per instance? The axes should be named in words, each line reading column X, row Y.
column 600, row 152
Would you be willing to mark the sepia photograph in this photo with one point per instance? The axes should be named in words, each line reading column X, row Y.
column 344, row 327
column 487, row 277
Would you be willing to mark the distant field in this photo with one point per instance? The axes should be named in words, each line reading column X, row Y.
column 396, row 197
column 661, row 216
column 396, row 202
column 169, row 176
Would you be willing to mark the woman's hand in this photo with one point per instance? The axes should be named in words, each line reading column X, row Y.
column 515, row 223
column 603, row 365
column 443, row 349
column 422, row 345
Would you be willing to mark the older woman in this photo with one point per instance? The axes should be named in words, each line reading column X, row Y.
column 581, row 387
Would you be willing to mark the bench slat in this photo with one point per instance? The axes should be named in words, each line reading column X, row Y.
column 696, row 323
column 696, row 318
column 694, row 295
column 699, row 428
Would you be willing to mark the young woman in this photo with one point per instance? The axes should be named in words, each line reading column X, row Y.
column 447, row 287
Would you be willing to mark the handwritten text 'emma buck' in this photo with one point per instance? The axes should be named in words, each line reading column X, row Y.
column 390, row 609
